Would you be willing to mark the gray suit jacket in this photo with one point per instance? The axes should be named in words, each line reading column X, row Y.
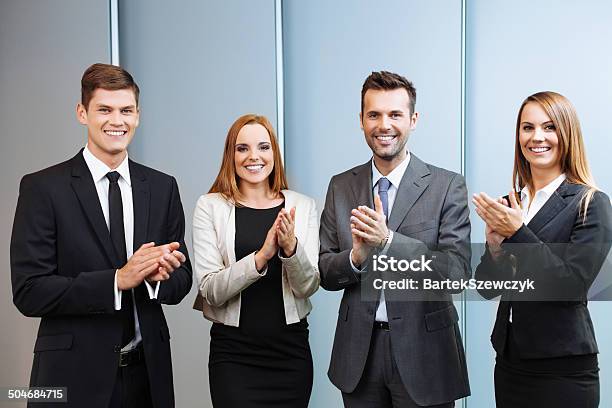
column 430, row 217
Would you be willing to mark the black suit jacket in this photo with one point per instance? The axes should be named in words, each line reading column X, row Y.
column 63, row 268
column 562, row 252
column 429, row 217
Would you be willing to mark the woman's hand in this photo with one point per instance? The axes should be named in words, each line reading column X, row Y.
column 285, row 232
column 268, row 249
column 500, row 218
column 494, row 241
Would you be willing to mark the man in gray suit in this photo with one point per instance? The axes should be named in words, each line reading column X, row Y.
column 390, row 350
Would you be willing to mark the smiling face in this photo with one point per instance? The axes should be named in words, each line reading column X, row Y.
column 386, row 122
column 539, row 141
column 253, row 156
column 111, row 119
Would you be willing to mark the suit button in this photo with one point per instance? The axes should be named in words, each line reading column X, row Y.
column 370, row 311
column 117, row 349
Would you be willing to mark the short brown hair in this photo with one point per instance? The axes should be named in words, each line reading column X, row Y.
column 226, row 182
column 388, row 81
column 106, row 76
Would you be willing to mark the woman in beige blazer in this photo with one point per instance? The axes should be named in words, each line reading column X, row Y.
column 255, row 259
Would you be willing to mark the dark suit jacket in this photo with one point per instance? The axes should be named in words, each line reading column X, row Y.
column 563, row 254
column 429, row 216
column 63, row 268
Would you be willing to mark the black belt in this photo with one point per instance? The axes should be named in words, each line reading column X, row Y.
column 382, row 325
column 131, row 357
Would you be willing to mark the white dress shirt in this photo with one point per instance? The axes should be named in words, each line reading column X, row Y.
column 530, row 208
column 98, row 170
column 395, row 177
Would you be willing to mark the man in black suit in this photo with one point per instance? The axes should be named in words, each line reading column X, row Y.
column 97, row 248
column 389, row 349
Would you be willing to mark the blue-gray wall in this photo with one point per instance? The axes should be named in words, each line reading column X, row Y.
column 44, row 48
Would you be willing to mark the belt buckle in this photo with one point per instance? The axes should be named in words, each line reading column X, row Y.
column 124, row 358
column 382, row 325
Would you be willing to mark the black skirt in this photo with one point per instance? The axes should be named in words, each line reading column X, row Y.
column 254, row 370
column 568, row 381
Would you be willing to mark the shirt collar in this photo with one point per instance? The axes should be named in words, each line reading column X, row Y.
column 547, row 190
column 395, row 177
column 99, row 169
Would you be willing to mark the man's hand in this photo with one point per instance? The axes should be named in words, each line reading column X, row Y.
column 168, row 262
column 368, row 230
column 360, row 249
column 370, row 225
column 144, row 261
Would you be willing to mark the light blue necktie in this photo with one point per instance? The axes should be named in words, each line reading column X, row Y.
column 383, row 189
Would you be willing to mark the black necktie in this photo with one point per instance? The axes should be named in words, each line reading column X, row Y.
column 117, row 233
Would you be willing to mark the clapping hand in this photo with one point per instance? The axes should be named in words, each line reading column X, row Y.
column 285, row 232
column 171, row 260
column 503, row 219
column 269, row 248
column 368, row 230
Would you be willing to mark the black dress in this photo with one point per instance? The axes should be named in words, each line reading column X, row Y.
column 264, row 362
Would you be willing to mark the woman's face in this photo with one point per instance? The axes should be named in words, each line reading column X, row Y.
column 538, row 139
column 253, row 156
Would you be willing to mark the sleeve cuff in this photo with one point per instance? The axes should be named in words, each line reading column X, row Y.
column 117, row 294
column 388, row 244
column 522, row 236
column 355, row 269
column 265, row 269
column 152, row 291
column 285, row 258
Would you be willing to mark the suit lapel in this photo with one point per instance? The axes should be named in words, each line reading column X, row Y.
column 410, row 189
column 83, row 185
column 553, row 206
column 230, row 234
column 142, row 200
column 361, row 185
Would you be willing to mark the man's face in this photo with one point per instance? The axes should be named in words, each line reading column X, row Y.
column 386, row 121
column 111, row 119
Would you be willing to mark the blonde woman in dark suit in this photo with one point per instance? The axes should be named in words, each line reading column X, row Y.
column 558, row 234
column 256, row 251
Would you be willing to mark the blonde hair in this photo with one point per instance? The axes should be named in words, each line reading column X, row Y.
column 226, row 182
column 572, row 154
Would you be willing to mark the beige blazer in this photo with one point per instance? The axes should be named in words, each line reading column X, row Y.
column 220, row 278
